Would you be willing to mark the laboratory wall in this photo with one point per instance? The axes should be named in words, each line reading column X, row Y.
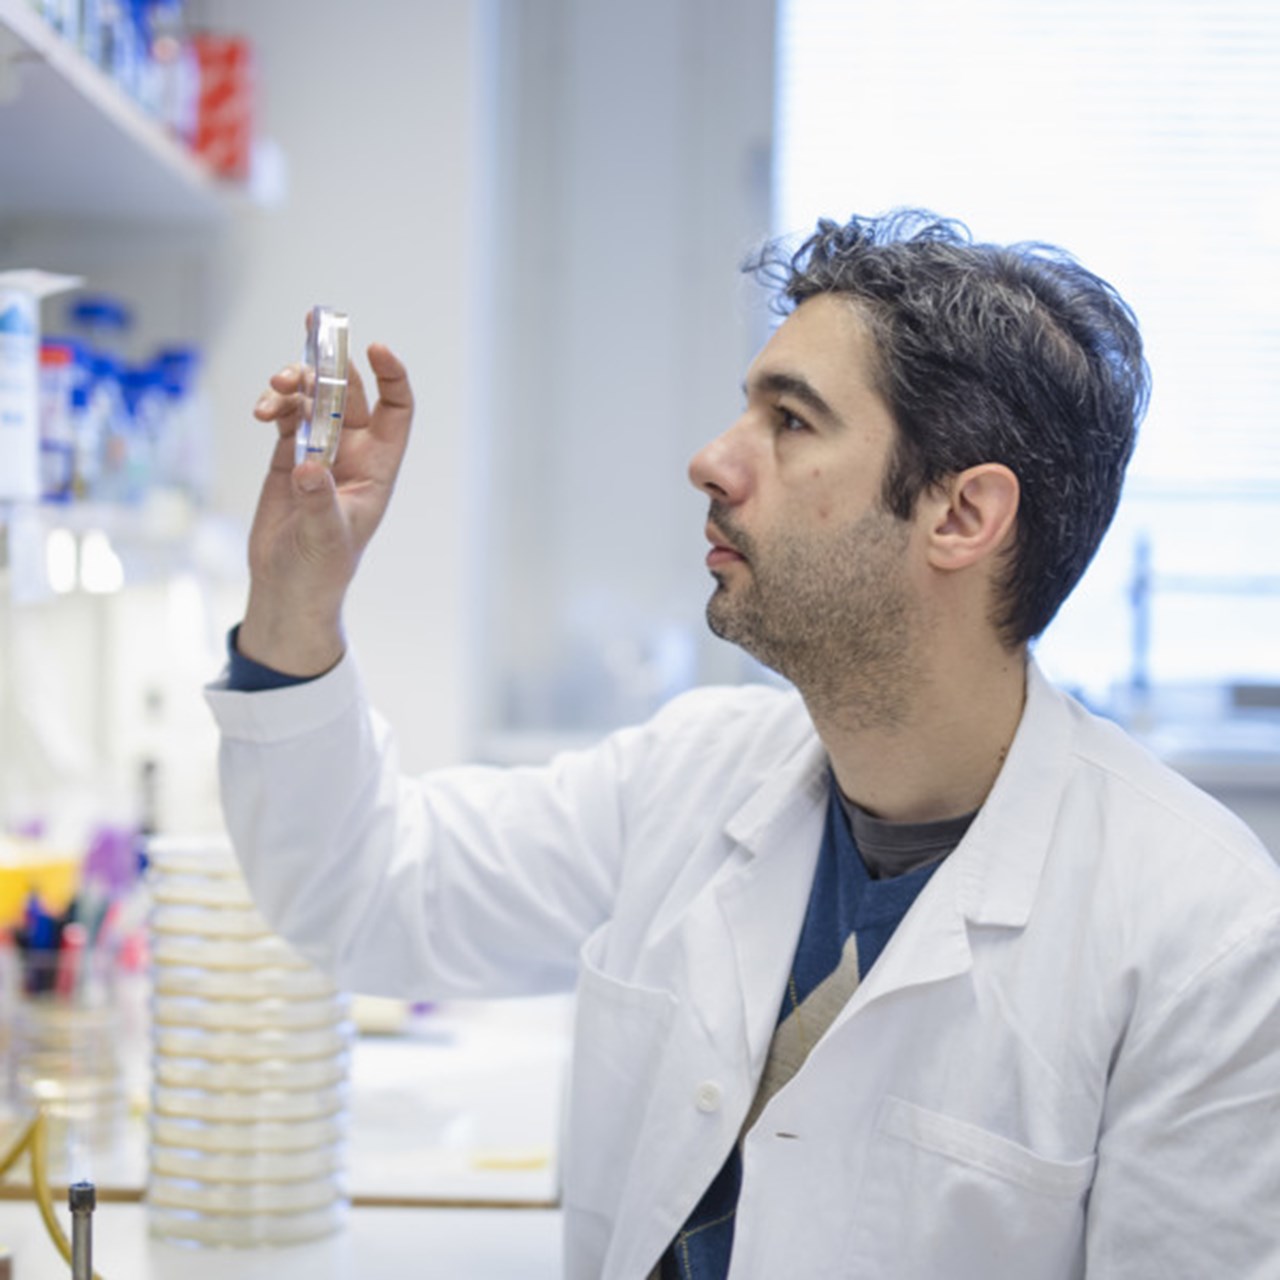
column 542, row 206
column 379, row 113
column 633, row 179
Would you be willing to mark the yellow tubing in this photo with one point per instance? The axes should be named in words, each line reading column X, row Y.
column 11, row 1157
column 35, row 1140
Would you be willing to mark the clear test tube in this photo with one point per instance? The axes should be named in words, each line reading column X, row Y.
column 324, row 385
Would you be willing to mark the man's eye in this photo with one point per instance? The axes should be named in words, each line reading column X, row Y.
column 789, row 422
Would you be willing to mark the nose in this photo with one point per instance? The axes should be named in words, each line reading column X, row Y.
column 720, row 470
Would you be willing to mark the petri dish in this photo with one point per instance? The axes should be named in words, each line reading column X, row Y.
column 240, row 984
column 250, row 1046
column 209, row 922
column 269, row 1014
column 209, row 855
column 200, row 891
column 265, row 952
column 199, row 1073
column 191, row 1133
column 190, row 1226
column 243, row 1107
column 209, row 1196
column 253, row 1166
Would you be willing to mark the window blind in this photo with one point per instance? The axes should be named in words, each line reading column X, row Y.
column 1142, row 135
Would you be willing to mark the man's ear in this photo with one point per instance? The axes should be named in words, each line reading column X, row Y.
column 972, row 515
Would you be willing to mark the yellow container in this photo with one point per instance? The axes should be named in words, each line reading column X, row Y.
column 28, row 866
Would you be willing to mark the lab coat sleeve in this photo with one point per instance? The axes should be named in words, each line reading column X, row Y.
column 1188, row 1175
column 463, row 882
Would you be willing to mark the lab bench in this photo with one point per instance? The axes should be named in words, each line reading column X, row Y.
column 452, row 1161
column 378, row 1244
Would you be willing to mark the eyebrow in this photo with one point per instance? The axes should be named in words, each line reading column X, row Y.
column 775, row 382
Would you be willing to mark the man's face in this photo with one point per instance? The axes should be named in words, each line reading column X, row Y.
column 811, row 572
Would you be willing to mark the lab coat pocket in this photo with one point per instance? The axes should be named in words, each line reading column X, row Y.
column 940, row 1196
column 619, row 1037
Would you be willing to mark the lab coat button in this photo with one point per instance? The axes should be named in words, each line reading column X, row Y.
column 707, row 1096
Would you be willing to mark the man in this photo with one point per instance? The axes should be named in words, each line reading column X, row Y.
column 917, row 971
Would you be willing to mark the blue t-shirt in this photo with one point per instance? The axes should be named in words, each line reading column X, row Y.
column 845, row 902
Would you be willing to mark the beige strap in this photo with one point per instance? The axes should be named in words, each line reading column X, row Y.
column 803, row 1027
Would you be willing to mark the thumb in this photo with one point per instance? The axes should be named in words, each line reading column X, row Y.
column 316, row 495
column 310, row 482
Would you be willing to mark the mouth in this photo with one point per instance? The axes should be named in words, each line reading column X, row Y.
column 723, row 552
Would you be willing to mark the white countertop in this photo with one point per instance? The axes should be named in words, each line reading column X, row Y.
column 467, row 1108
column 462, row 1108
column 378, row 1244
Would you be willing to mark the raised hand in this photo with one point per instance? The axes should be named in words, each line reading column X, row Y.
column 312, row 525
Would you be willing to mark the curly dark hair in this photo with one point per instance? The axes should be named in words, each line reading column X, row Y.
column 989, row 353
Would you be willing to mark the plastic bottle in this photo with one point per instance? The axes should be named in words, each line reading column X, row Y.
column 108, row 424
column 172, row 65
column 91, row 34
column 182, row 457
column 57, row 424
column 110, row 39
column 62, row 15
column 102, row 323
column 145, row 404
column 19, row 381
column 21, row 292
column 86, row 428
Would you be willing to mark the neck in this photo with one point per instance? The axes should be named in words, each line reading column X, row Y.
column 940, row 753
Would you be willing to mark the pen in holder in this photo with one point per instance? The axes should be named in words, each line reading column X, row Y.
column 64, row 1031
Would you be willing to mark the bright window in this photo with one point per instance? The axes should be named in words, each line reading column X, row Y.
column 1144, row 136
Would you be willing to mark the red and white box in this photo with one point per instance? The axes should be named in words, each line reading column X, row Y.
column 225, row 115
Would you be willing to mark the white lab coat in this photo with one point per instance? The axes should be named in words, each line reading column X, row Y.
column 1065, row 1062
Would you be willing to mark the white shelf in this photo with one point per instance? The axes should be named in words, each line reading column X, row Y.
column 73, row 143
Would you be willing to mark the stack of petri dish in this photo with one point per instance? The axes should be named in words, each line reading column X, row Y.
column 250, row 1061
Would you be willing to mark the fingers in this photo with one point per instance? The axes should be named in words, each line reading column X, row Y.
column 356, row 413
column 285, row 402
column 282, row 400
column 394, row 411
column 393, row 379
column 288, row 379
column 394, row 393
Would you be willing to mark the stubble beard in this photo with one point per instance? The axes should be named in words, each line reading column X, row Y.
column 834, row 617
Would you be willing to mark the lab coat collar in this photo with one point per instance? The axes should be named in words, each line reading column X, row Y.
column 763, row 905
column 990, row 879
column 999, row 862
column 755, row 909
column 1002, row 854
column 799, row 786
